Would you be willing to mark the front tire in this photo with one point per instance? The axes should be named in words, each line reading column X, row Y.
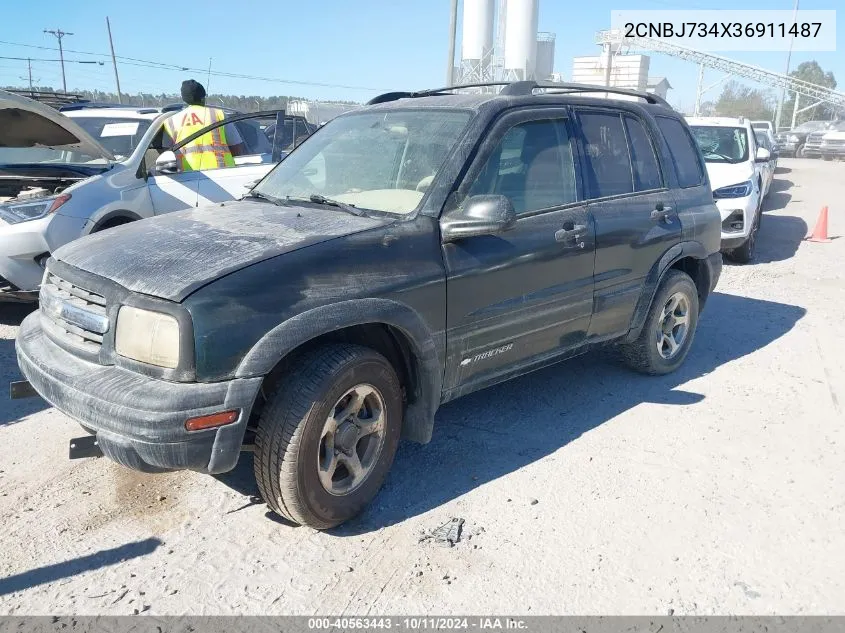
column 669, row 329
column 328, row 435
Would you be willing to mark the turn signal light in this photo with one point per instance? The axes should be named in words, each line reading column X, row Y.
column 211, row 421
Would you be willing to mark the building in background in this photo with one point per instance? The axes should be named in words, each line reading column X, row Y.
column 625, row 71
column 659, row 86
column 545, row 66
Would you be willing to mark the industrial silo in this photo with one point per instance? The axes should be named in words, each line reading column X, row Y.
column 520, row 39
column 545, row 66
column 477, row 41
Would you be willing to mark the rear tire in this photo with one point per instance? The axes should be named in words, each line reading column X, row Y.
column 319, row 477
column 669, row 329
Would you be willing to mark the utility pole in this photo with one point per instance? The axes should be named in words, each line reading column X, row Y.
column 788, row 59
column 453, row 27
column 114, row 61
column 699, row 90
column 208, row 78
column 59, row 34
column 29, row 69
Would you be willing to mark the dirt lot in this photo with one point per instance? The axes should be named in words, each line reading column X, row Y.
column 585, row 488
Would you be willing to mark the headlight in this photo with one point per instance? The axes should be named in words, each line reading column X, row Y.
column 734, row 191
column 34, row 210
column 148, row 337
column 794, row 139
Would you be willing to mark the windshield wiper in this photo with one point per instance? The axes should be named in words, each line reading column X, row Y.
column 257, row 195
column 317, row 198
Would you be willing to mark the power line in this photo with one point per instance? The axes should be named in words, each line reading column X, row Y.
column 146, row 63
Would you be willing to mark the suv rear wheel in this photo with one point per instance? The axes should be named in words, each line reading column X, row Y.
column 667, row 335
column 328, row 435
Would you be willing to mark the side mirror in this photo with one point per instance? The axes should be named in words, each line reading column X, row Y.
column 166, row 163
column 479, row 215
column 763, row 155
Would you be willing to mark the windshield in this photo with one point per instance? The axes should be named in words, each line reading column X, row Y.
column 380, row 161
column 811, row 126
column 722, row 144
column 118, row 135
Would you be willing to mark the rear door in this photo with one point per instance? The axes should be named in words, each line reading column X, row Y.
column 527, row 294
column 634, row 211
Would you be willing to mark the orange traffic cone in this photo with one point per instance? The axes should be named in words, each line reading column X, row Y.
column 819, row 233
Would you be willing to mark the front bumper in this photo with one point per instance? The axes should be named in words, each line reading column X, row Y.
column 139, row 421
column 833, row 152
column 812, row 151
column 22, row 244
column 737, row 210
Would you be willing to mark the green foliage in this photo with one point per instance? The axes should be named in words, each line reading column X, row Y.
column 740, row 100
column 812, row 72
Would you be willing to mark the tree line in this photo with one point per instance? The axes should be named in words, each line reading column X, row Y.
column 761, row 104
column 242, row 103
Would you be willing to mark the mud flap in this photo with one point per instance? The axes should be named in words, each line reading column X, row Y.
column 21, row 389
column 82, row 447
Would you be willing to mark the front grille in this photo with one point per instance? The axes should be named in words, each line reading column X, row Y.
column 814, row 140
column 835, row 142
column 73, row 314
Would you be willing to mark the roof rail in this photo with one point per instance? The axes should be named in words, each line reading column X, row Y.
column 524, row 88
column 563, row 88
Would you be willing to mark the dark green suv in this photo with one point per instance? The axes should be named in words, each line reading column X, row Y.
column 421, row 248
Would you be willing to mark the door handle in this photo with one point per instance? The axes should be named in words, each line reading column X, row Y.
column 662, row 213
column 573, row 232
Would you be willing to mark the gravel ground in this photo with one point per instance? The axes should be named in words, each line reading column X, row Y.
column 585, row 488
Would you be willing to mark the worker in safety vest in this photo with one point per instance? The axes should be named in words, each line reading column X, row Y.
column 214, row 149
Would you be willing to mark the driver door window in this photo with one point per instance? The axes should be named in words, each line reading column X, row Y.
column 533, row 167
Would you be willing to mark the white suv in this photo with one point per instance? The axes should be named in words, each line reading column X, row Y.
column 740, row 175
column 67, row 174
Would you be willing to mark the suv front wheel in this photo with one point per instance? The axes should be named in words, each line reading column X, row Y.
column 667, row 335
column 328, row 434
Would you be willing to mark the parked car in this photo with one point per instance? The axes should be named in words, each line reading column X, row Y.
column 65, row 175
column 416, row 250
column 763, row 139
column 792, row 143
column 768, row 126
column 740, row 176
column 833, row 142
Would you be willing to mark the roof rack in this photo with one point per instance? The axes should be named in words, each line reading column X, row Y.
column 524, row 88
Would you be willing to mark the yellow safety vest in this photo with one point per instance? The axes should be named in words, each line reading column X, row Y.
column 209, row 151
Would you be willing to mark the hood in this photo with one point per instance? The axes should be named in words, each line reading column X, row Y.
column 724, row 174
column 834, row 136
column 27, row 123
column 171, row 256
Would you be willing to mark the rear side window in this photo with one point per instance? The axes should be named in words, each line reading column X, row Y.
column 684, row 152
column 606, row 151
column 646, row 169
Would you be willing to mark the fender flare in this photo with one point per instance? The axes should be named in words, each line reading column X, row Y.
column 115, row 213
column 655, row 276
column 302, row 328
